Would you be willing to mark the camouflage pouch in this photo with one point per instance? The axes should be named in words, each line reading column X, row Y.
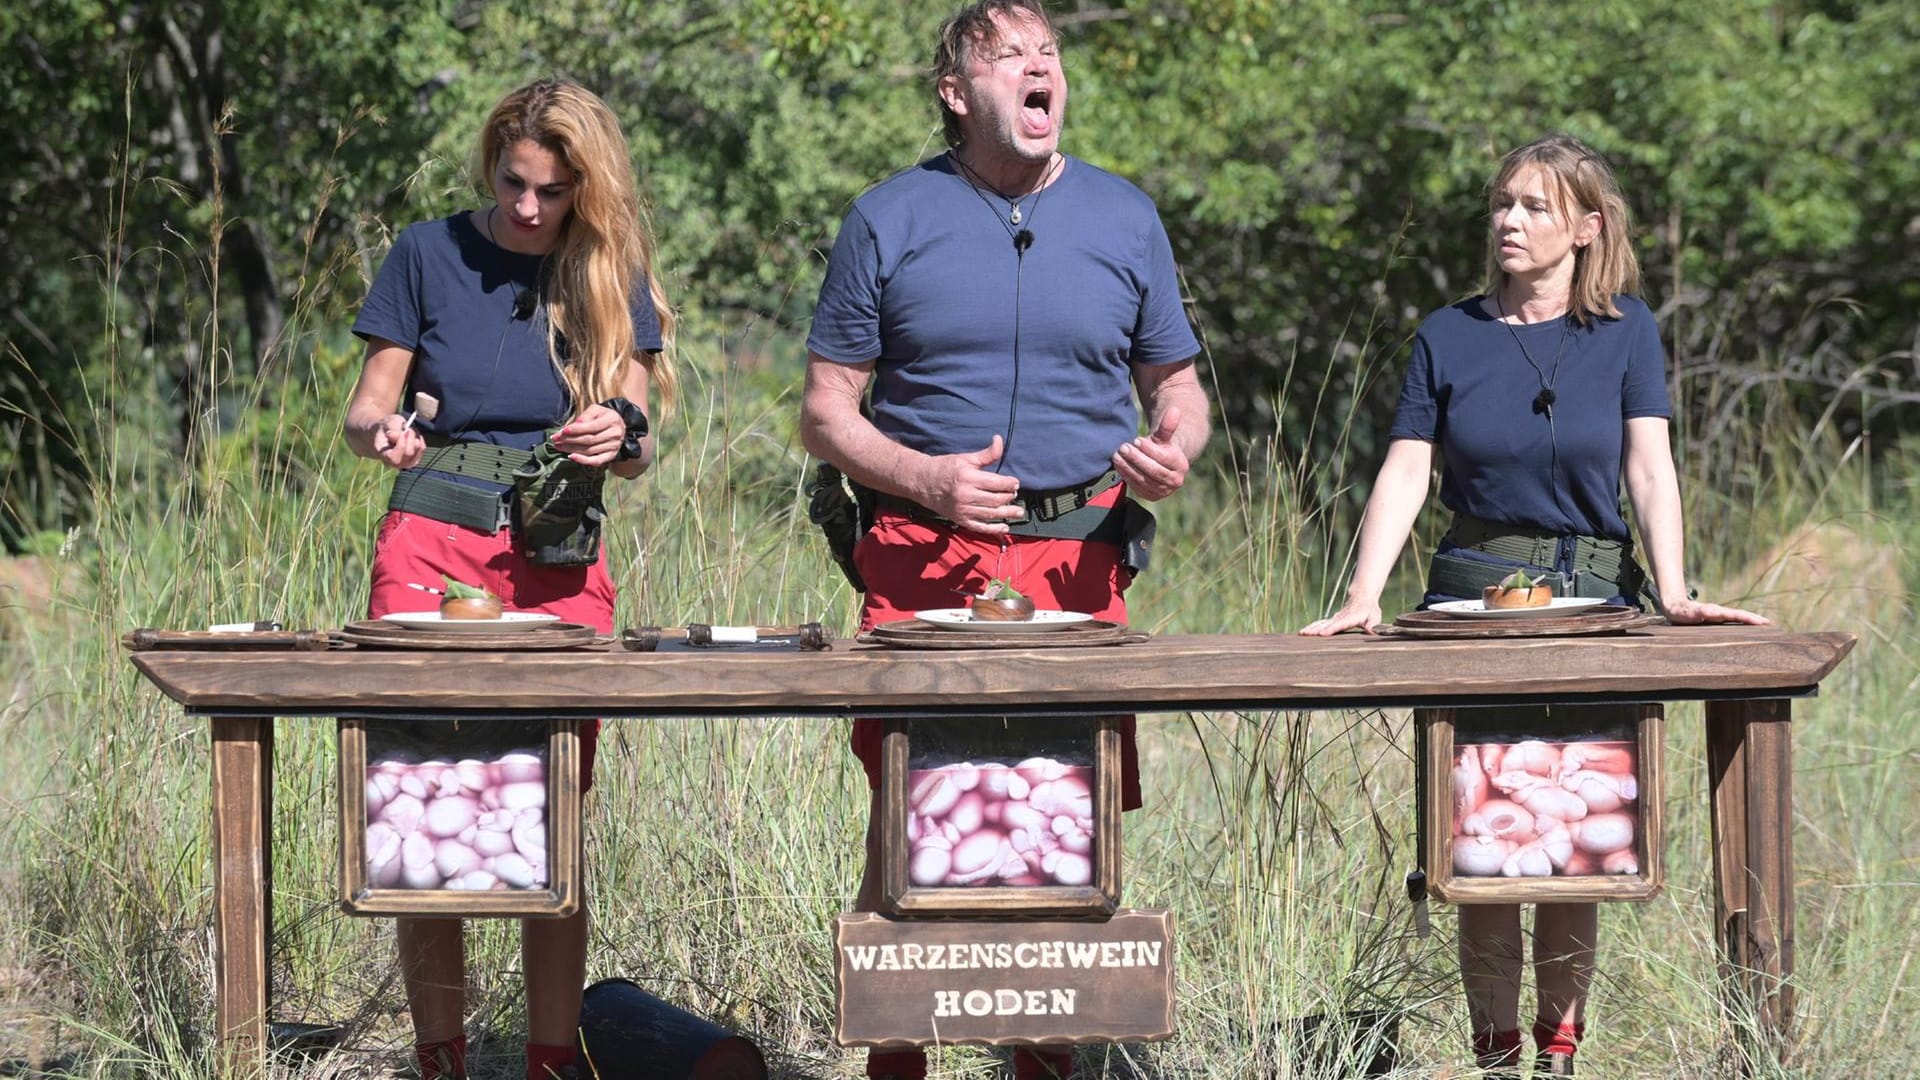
column 558, row 509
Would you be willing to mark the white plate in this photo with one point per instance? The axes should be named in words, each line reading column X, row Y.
column 1477, row 609
column 962, row 619
column 431, row 620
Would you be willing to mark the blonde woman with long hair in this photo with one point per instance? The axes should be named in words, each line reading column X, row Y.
column 1543, row 395
column 524, row 334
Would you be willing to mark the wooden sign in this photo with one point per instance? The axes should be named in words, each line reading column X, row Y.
column 916, row 982
column 1000, row 816
column 1560, row 813
column 432, row 860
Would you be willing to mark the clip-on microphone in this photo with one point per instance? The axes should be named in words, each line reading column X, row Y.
column 1022, row 240
column 1543, row 401
column 524, row 303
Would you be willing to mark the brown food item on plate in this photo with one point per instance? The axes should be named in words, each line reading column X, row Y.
column 1002, row 609
column 467, row 607
column 1497, row 596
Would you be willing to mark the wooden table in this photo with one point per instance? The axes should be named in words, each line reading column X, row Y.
column 1746, row 676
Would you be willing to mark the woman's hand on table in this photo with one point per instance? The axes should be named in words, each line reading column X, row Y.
column 593, row 438
column 1688, row 612
column 1356, row 615
column 397, row 444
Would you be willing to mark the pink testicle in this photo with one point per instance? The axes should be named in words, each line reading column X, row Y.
column 1490, row 757
column 1527, row 860
column 1552, row 802
column 1621, row 862
column 1532, row 756
column 1598, row 756
column 1469, row 784
column 1581, row 864
column 1602, row 791
column 1603, row 834
column 1480, row 856
column 934, row 794
column 1500, row 818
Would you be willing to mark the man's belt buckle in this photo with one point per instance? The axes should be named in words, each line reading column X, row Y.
column 1026, row 512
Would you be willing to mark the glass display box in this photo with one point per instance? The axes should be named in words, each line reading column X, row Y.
column 460, row 818
column 1000, row 816
column 1517, row 806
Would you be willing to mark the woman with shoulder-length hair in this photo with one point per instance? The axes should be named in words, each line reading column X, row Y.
column 535, row 323
column 1542, row 396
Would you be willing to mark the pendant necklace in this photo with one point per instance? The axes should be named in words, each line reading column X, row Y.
column 1543, row 401
column 1013, row 202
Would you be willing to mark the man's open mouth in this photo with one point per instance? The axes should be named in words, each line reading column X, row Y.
column 1036, row 109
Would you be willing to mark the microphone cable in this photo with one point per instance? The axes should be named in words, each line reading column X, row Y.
column 1543, row 401
column 1022, row 240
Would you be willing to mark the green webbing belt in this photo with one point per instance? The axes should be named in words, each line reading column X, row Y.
column 418, row 491
column 1062, row 514
column 1601, row 568
column 482, row 461
column 1535, row 547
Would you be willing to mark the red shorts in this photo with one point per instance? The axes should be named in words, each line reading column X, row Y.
column 414, row 550
column 913, row 565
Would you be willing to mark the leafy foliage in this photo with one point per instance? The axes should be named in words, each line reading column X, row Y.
column 1320, row 166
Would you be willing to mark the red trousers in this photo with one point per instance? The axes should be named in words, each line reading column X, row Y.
column 414, row 550
column 911, row 566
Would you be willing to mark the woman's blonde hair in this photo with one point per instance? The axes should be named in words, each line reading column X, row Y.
column 1580, row 181
column 605, row 246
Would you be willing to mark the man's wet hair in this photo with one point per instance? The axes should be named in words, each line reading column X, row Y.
column 969, row 26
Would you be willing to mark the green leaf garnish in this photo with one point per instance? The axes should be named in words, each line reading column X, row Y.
column 999, row 589
column 1520, row 580
column 460, row 590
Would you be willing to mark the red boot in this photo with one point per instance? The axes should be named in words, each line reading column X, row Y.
column 1557, row 1043
column 897, row 1064
column 1497, row 1050
column 443, row 1060
column 548, row 1062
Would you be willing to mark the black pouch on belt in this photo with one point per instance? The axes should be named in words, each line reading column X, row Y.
column 1456, row 575
column 1136, row 533
column 558, row 509
column 841, row 517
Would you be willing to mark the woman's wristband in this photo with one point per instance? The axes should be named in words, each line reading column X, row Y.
column 632, row 446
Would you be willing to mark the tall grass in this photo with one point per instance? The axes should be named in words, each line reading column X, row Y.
column 720, row 850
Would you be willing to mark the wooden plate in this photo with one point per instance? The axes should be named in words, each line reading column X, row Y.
column 146, row 639
column 1607, row 619
column 914, row 634
column 376, row 633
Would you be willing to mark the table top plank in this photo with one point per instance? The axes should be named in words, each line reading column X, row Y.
column 1165, row 673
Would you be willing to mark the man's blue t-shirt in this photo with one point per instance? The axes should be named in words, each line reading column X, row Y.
column 1471, row 392
column 470, row 312
column 925, row 280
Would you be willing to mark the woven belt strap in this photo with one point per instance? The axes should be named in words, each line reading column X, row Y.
column 1537, row 547
column 417, row 491
column 482, row 461
column 1060, row 514
column 450, row 501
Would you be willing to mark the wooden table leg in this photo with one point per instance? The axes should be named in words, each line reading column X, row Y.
column 242, row 890
column 1750, row 767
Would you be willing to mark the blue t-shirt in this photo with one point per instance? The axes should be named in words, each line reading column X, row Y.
column 925, row 280
column 1471, row 392
column 471, row 313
